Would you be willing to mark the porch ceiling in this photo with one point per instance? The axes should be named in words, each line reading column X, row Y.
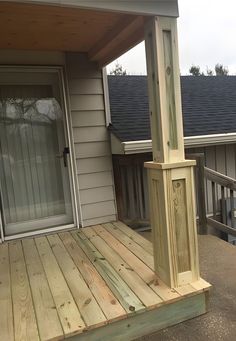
column 103, row 35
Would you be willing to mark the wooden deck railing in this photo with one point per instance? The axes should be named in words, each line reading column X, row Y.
column 227, row 188
column 213, row 189
column 200, row 191
column 221, row 195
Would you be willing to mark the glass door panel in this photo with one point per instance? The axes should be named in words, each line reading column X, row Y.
column 34, row 171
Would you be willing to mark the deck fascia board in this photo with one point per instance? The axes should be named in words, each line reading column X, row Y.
column 149, row 321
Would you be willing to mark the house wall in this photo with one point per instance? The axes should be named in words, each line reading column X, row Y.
column 91, row 140
column 132, row 184
column 94, row 174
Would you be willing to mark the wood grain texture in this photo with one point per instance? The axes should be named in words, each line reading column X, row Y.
column 133, row 244
column 144, row 243
column 173, row 220
column 164, row 90
column 149, row 322
column 63, row 28
column 71, row 320
column 146, row 257
column 108, row 302
column 181, row 228
column 148, row 275
column 47, row 318
column 118, row 286
column 170, row 91
column 62, row 284
column 6, row 319
column 158, row 216
column 88, row 306
column 126, row 272
column 172, row 211
column 153, row 90
column 25, row 326
column 184, row 274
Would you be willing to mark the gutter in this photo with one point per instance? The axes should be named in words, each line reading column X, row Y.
column 145, row 146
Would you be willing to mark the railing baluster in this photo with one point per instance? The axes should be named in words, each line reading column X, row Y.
column 213, row 186
column 200, row 190
column 223, row 206
column 232, row 207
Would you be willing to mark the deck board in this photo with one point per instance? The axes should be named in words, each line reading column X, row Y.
column 118, row 286
column 107, row 301
column 95, row 283
column 125, row 270
column 47, row 318
column 71, row 320
column 88, row 306
column 25, row 325
column 137, row 265
column 138, row 250
column 6, row 320
column 144, row 243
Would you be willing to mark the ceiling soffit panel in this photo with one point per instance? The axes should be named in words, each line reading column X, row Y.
column 104, row 35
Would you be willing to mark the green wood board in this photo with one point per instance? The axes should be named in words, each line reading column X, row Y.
column 149, row 321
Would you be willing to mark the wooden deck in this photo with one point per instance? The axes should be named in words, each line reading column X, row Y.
column 95, row 284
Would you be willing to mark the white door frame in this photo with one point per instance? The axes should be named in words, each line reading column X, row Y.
column 68, row 136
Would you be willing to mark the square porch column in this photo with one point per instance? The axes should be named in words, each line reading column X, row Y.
column 171, row 177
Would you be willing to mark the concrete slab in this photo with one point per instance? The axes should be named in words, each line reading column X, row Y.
column 218, row 267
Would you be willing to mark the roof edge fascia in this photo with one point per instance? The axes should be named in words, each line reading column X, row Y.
column 138, row 7
column 145, row 146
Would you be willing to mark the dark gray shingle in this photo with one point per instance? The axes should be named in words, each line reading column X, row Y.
column 209, row 106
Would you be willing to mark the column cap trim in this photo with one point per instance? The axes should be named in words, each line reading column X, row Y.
column 181, row 164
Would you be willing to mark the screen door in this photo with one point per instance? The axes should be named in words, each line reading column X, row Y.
column 34, row 153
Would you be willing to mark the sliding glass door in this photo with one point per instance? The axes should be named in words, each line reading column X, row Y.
column 35, row 186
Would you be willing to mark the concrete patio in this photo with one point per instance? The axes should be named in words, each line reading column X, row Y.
column 218, row 266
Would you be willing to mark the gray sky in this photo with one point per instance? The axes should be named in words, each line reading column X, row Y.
column 207, row 35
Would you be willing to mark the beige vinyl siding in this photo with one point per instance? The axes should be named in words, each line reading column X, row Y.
column 96, row 180
column 91, row 141
column 88, row 118
column 86, row 102
column 88, row 196
column 90, row 134
column 23, row 57
column 92, row 149
column 99, row 220
column 86, row 87
column 94, row 165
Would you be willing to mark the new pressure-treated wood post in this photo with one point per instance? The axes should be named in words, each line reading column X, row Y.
column 171, row 177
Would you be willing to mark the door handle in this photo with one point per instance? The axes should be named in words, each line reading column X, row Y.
column 64, row 155
column 65, row 152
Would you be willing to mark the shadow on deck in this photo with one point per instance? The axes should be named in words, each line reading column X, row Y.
column 96, row 284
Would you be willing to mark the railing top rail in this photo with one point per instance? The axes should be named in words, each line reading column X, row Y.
column 220, row 179
column 221, row 227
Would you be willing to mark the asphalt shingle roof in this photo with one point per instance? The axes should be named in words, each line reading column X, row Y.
column 209, row 106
